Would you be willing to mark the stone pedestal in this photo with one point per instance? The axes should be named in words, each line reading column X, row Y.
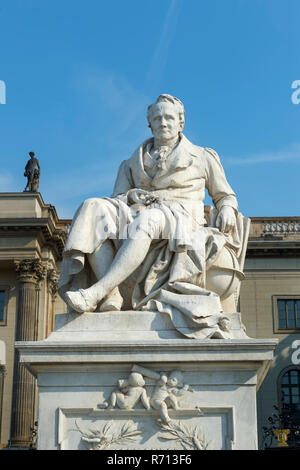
column 90, row 356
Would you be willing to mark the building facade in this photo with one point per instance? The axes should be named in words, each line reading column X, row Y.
column 32, row 238
column 31, row 243
column 270, row 306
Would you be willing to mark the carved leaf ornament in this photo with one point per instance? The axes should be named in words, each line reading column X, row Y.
column 100, row 439
column 189, row 437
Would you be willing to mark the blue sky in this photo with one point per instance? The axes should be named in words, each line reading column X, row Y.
column 80, row 74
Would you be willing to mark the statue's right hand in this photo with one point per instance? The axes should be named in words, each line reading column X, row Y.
column 140, row 196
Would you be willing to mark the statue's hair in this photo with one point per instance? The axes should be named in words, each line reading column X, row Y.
column 171, row 99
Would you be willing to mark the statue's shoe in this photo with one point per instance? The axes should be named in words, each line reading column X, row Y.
column 80, row 301
column 112, row 302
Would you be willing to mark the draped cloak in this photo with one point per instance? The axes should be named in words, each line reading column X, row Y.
column 171, row 279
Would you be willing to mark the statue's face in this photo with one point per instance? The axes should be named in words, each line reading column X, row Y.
column 164, row 121
column 173, row 381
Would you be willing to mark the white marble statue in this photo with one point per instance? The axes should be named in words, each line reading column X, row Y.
column 154, row 235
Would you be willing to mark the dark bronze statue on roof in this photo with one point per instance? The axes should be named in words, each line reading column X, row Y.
column 32, row 173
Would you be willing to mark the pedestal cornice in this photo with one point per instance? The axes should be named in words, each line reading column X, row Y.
column 41, row 356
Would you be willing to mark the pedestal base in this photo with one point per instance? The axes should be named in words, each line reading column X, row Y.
column 212, row 405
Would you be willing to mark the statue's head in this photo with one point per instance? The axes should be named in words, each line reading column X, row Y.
column 175, row 379
column 136, row 380
column 166, row 117
column 31, row 154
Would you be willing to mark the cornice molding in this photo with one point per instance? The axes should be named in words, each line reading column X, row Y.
column 53, row 236
column 273, row 247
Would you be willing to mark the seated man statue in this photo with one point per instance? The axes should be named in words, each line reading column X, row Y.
column 154, row 233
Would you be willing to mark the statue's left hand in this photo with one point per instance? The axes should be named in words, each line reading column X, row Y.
column 140, row 196
column 226, row 219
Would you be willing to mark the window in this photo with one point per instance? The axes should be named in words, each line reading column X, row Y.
column 286, row 313
column 2, row 299
column 289, row 403
column 290, row 390
column 3, row 302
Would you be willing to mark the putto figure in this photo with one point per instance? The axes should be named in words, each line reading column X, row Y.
column 32, row 174
column 131, row 392
column 165, row 393
column 154, row 236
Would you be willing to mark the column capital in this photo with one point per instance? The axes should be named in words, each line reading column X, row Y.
column 52, row 281
column 30, row 270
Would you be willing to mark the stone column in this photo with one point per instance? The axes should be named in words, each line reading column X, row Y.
column 2, row 375
column 30, row 273
column 52, row 285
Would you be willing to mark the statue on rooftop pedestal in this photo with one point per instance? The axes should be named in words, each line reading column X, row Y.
column 155, row 236
column 32, row 173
